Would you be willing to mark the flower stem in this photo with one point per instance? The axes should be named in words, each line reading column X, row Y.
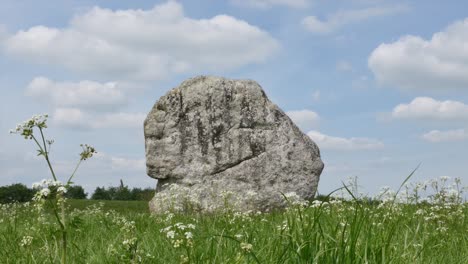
column 64, row 234
column 74, row 171
column 46, row 156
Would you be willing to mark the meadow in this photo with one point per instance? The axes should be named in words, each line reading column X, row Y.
column 418, row 223
column 345, row 228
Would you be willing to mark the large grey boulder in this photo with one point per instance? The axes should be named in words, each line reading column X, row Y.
column 214, row 143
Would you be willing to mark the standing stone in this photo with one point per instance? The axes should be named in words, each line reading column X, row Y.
column 214, row 142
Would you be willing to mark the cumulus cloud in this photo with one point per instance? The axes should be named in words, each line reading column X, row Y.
column 113, row 162
column 128, row 164
column 144, row 44
column 429, row 108
column 3, row 33
column 69, row 117
column 316, row 95
column 415, row 63
column 362, row 82
column 344, row 66
column 77, row 118
column 125, row 120
column 263, row 4
column 304, row 119
column 437, row 136
column 339, row 143
column 345, row 17
column 89, row 94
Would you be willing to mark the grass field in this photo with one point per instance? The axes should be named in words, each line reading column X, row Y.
column 118, row 206
column 337, row 231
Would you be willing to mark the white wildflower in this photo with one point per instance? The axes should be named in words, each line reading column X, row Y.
column 419, row 212
column 44, row 192
column 444, row 178
column 291, row 195
column 246, row 247
column 170, row 234
column 26, row 241
column 55, row 183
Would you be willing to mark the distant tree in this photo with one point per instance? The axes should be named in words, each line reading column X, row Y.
column 101, row 194
column 123, row 193
column 76, row 192
column 142, row 194
column 16, row 193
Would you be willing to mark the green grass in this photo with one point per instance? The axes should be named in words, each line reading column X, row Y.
column 335, row 232
column 107, row 205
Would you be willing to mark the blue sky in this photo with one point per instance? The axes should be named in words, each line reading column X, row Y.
column 381, row 86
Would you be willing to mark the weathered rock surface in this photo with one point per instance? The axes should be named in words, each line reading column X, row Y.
column 213, row 140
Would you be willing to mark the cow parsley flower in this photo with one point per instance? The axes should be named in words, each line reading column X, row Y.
column 170, row 234
column 44, row 192
column 36, row 185
column 444, row 178
column 188, row 235
column 246, row 247
column 26, row 241
column 88, row 151
column 62, row 189
column 26, row 128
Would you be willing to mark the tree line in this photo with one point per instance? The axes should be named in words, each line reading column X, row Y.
column 19, row 192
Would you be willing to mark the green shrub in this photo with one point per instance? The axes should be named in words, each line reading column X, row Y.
column 76, row 192
column 15, row 193
column 122, row 193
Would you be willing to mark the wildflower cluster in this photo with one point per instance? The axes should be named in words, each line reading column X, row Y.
column 88, row 151
column 51, row 190
column 247, row 247
column 179, row 234
column 128, row 249
column 293, row 199
column 26, row 241
column 25, row 128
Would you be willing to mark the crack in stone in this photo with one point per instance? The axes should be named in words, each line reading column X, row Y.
column 237, row 163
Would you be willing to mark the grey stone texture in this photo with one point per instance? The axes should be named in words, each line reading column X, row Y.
column 214, row 140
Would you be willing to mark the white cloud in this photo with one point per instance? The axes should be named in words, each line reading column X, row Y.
column 415, row 63
column 263, row 4
column 144, row 44
column 120, row 163
column 3, row 33
column 344, row 66
column 304, row 119
column 362, row 82
column 437, row 136
column 316, row 95
column 77, row 118
column 429, row 108
column 346, row 17
column 338, row 143
column 70, row 117
column 87, row 94
column 128, row 120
